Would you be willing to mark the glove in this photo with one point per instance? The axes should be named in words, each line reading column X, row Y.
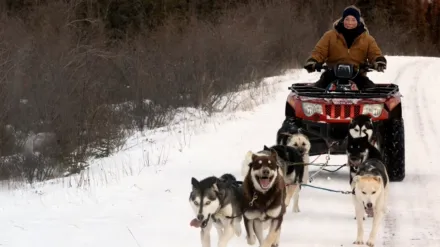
column 380, row 64
column 310, row 65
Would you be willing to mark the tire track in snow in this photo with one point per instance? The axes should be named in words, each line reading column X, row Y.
column 390, row 222
column 423, row 99
column 433, row 198
column 414, row 198
column 415, row 96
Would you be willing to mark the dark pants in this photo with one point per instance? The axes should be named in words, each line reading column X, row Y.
column 327, row 77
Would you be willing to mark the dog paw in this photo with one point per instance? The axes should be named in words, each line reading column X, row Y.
column 238, row 232
column 362, row 217
column 370, row 243
column 251, row 240
column 360, row 242
column 296, row 209
column 274, row 245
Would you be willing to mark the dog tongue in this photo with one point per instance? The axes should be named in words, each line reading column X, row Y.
column 195, row 223
column 264, row 182
column 370, row 212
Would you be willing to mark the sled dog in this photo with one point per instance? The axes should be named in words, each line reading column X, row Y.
column 217, row 201
column 358, row 151
column 264, row 199
column 302, row 143
column 370, row 195
column 361, row 126
column 291, row 161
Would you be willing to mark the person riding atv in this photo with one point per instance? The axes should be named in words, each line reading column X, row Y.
column 348, row 42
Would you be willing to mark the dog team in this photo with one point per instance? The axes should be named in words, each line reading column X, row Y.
column 272, row 177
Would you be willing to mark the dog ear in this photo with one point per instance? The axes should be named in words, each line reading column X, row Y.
column 266, row 148
column 356, row 178
column 215, row 187
column 194, row 182
column 254, row 157
column 378, row 178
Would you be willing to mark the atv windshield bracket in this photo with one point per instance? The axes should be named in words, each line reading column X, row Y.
column 344, row 71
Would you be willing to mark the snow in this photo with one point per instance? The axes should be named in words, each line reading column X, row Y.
column 139, row 196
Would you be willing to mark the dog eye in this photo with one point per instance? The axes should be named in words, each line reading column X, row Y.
column 196, row 203
column 207, row 202
column 374, row 192
column 363, row 192
column 296, row 144
column 303, row 144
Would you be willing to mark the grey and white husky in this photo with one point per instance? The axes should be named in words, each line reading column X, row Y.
column 370, row 195
column 217, row 201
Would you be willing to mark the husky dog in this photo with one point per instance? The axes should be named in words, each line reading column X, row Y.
column 299, row 141
column 370, row 195
column 217, row 201
column 359, row 150
column 302, row 143
column 293, row 169
column 291, row 162
column 264, row 196
column 361, row 126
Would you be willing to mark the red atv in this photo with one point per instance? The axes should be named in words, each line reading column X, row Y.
column 323, row 114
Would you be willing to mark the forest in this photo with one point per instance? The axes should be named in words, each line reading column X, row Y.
column 78, row 76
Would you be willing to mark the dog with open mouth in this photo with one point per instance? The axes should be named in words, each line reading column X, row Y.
column 264, row 192
column 370, row 194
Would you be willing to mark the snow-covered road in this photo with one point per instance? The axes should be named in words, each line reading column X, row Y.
column 126, row 202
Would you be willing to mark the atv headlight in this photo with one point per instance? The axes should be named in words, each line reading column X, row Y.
column 310, row 108
column 374, row 109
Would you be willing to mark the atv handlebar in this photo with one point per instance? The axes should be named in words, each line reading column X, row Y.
column 365, row 67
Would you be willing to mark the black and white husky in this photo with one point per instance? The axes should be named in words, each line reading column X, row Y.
column 358, row 151
column 359, row 139
column 370, row 188
column 361, row 126
column 217, row 201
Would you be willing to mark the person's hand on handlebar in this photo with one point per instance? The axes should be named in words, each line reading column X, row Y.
column 380, row 66
column 311, row 65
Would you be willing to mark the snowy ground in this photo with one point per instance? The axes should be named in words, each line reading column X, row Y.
column 139, row 196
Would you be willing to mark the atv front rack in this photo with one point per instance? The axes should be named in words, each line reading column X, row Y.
column 379, row 91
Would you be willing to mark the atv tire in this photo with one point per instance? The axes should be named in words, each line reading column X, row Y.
column 394, row 149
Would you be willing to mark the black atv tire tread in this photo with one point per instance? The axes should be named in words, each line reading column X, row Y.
column 394, row 149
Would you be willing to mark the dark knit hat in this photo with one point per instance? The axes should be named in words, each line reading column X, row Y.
column 351, row 10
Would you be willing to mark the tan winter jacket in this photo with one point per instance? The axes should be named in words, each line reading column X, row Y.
column 332, row 49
